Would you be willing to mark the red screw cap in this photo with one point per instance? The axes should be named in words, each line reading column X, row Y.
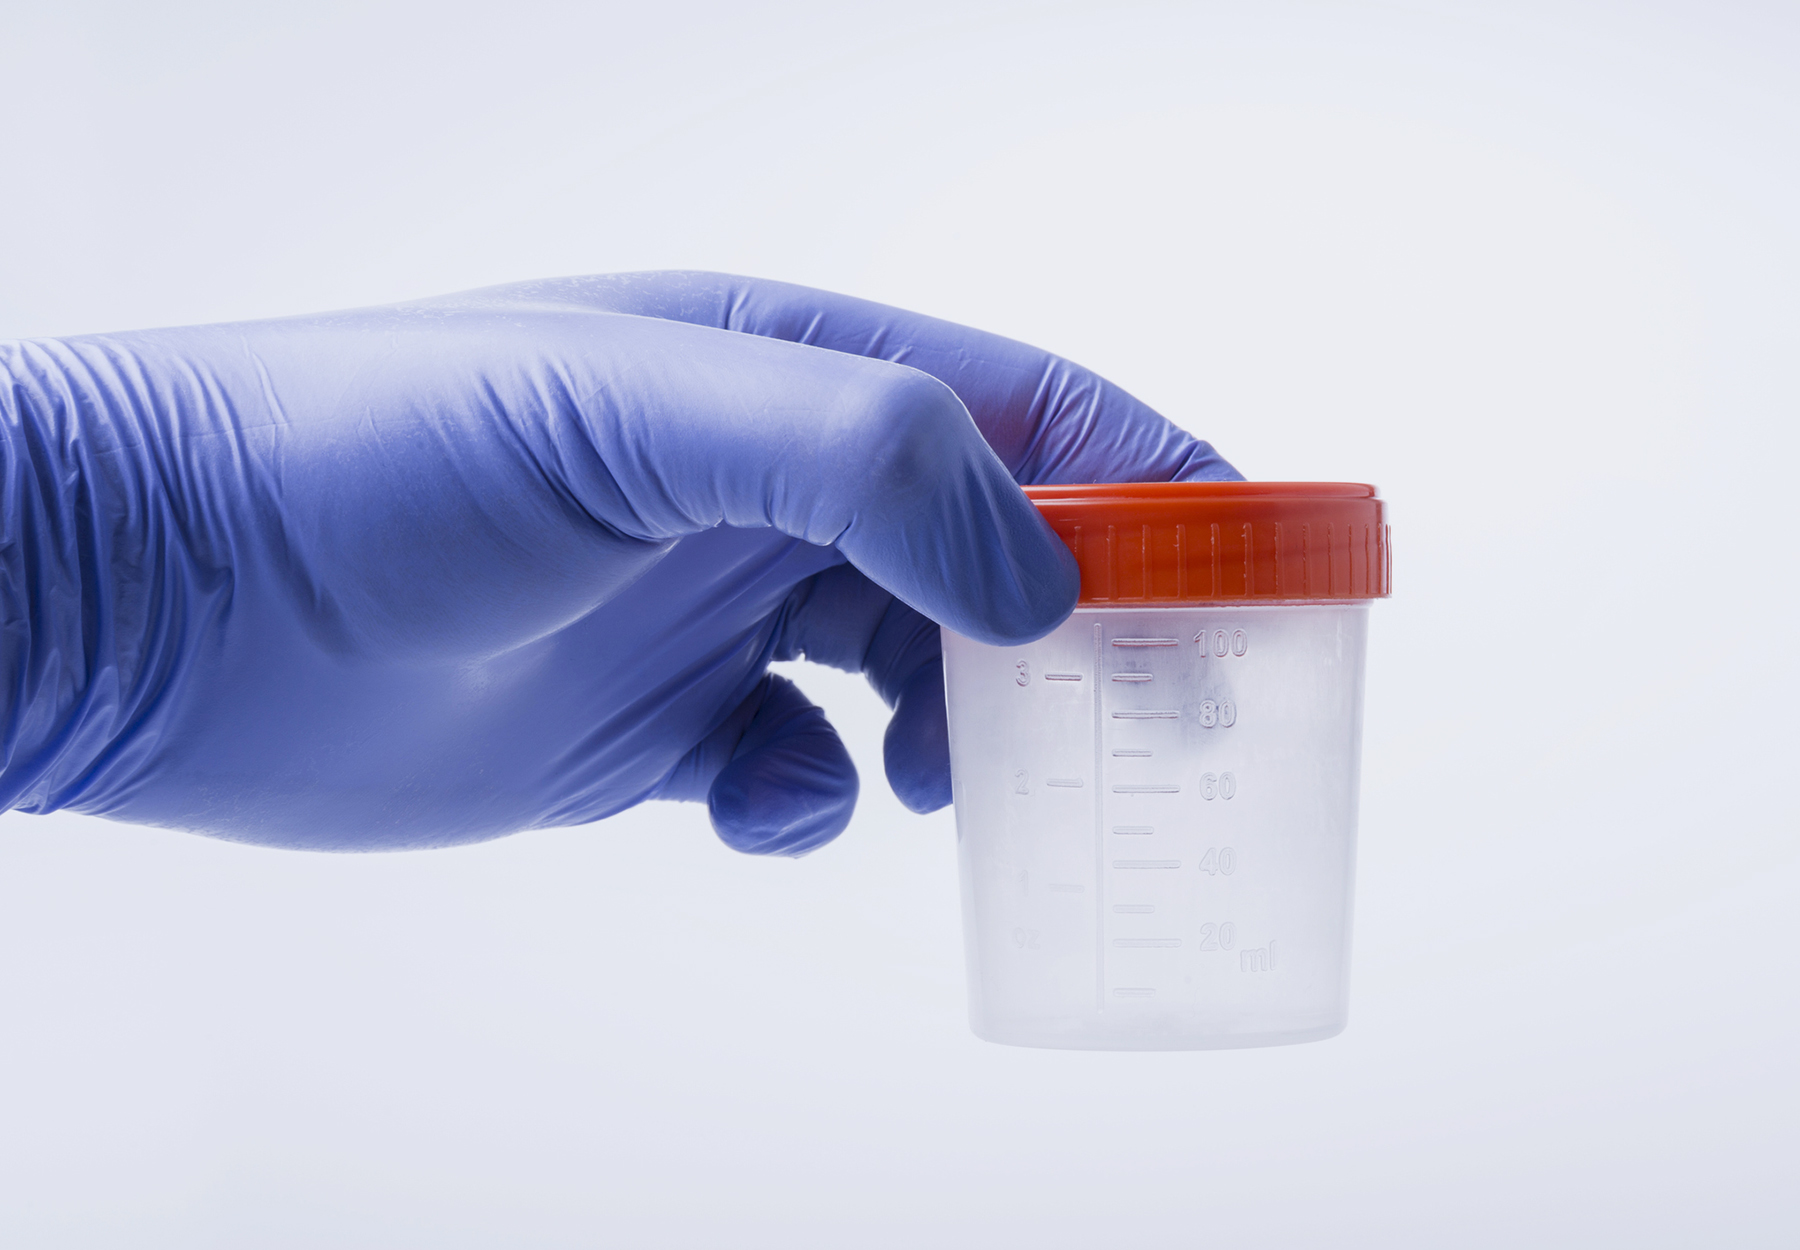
column 1212, row 542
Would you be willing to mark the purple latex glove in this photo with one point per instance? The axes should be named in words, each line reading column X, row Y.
column 441, row 571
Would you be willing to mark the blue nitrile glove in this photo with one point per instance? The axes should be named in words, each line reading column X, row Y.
column 432, row 573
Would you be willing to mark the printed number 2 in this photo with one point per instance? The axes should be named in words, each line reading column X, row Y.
column 1021, row 782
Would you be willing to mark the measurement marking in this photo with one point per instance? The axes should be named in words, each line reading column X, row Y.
column 1146, row 642
column 1062, row 676
column 1132, row 753
column 1160, row 714
column 1134, row 991
column 1057, row 887
column 1067, row 783
column 1133, row 909
column 1099, row 849
column 1132, row 676
column 1134, row 828
column 1145, row 943
column 1146, row 863
column 1146, row 789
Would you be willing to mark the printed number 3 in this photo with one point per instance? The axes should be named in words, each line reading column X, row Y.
column 1024, row 677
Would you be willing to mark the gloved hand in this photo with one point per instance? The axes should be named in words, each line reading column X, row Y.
column 437, row 572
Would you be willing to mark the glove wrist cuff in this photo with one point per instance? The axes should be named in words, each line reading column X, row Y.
column 79, row 588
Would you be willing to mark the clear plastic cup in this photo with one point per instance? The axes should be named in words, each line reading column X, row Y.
column 1156, row 804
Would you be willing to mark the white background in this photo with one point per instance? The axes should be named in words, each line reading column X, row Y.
column 1531, row 268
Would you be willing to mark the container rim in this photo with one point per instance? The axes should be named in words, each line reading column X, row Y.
column 1172, row 492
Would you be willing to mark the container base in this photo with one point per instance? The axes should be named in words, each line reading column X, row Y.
column 1039, row 1038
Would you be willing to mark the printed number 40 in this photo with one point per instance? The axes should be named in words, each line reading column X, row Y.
column 1219, row 861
